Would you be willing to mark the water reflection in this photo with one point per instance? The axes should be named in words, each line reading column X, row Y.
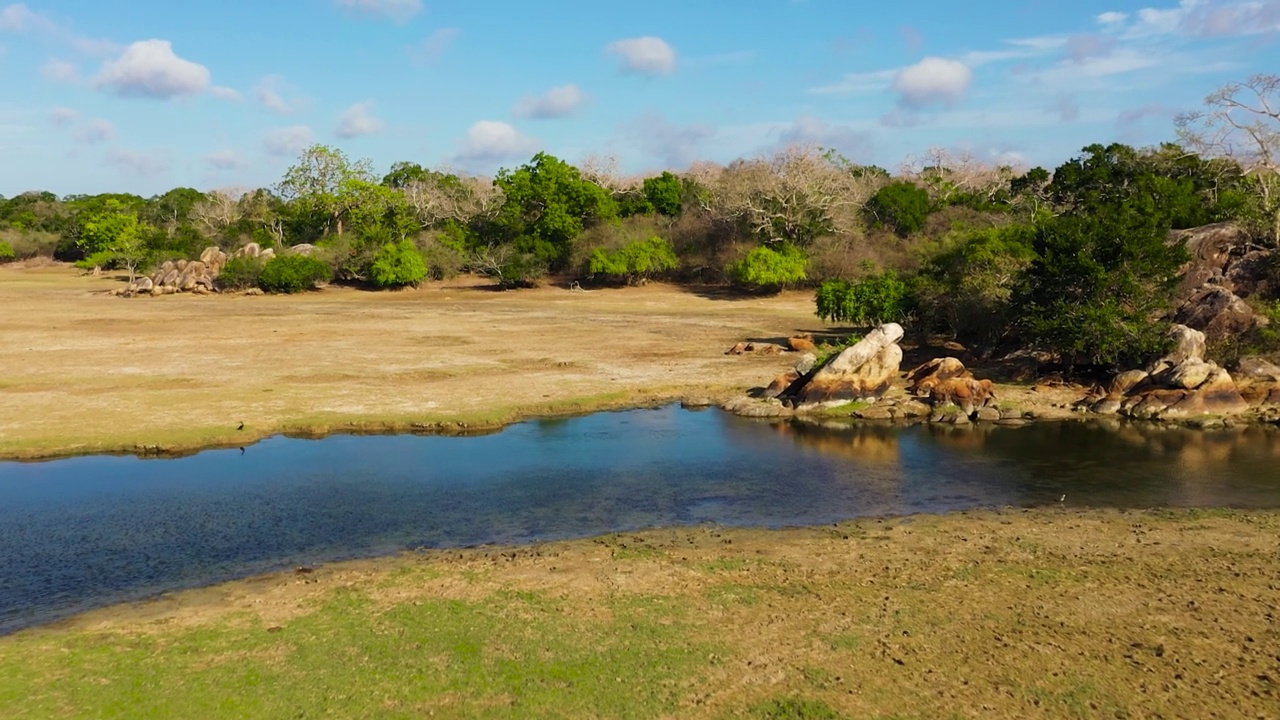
column 87, row 531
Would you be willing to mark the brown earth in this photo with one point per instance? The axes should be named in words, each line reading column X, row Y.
column 84, row 372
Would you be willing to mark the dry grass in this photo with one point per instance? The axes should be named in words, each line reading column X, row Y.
column 84, row 372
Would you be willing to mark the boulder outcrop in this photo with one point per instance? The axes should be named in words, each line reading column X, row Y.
column 861, row 372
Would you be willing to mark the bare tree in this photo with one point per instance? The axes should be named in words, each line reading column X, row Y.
column 1241, row 121
column 220, row 209
column 445, row 196
column 946, row 174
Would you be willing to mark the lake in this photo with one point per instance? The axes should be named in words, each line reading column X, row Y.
column 84, row 532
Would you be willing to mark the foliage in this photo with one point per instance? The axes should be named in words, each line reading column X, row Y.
column 444, row 258
column 770, row 267
column 635, row 261
column 548, row 204
column 1098, row 282
column 240, row 273
column 508, row 266
column 114, row 234
column 293, row 273
column 794, row 709
column 901, row 206
column 6, row 252
column 398, row 265
column 873, row 300
column 324, row 186
column 664, row 193
column 966, row 289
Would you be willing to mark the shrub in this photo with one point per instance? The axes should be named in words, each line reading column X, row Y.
column 635, row 261
column 507, row 266
column 766, row 267
column 873, row 300
column 293, row 273
column 397, row 265
column 240, row 273
column 901, row 206
column 6, row 252
column 444, row 259
column 29, row 243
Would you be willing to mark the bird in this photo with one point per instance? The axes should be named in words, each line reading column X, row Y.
column 241, row 451
column 1062, row 499
column 241, row 426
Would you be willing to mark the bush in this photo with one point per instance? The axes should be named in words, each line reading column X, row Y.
column 6, row 252
column 240, row 273
column 397, row 265
column 507, row 266
column 766, row 267
column 636, row 261
column 444, row 259
column 29, row 243
column 874, row 300
column 901, row 206
column 293, row 273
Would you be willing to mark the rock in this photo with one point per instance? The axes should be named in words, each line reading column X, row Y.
column 267, row 254
column 252, row 249
column 171, row 278
column 187, row 282
column 1257, row 368
column 1109, row 405
column 738, row 349
column 1189, row 344
column 697, row 403
column 913, row 409
column 1211, row 248
column 209, row 255
column 805, row 364
column 1217, row 395
column 750, row 407
column 950, row 417
column 767, row 349
column 181, row 265
column 251, row 292
column 1251, row 274
column 780, row 383
column 166, row 267
column 861, row 372
column 964, row 392
column 1189, row 375
column 922, row 380
column 1217, row 312
column 302, row 249
column 144, row 284
column 197, row 268
column 989, row 414
column 1126, row 381
column 875, row 412
column 802, row 344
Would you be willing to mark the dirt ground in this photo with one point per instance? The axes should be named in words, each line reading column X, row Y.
column 1048, row 613
column 81, row 371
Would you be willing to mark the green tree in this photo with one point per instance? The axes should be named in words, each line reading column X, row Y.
column 634, row 262
column 770, row 267
column 293, row 274
column 547, row 206
column 326, row 185
column 665, row 193
column 398, row 265
column 115, row 234
column 873, row 300
column 901, row 206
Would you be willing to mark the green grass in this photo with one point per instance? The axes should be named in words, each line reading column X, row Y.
column 515, row 655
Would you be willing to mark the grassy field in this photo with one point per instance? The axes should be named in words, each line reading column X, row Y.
column 1055, row 614
column 85, row 372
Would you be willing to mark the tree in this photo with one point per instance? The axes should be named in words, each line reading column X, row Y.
column 664, row 193
column 634, row 262
column 548, row 204
column 873, row 300
column 324, row 182
column 1242, row 122
column 398, row 265
column 901, row 206
column 770, row 268
column 115, row 235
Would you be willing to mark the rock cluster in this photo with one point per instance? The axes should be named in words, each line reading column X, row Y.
column 1225, row 268
column 946, row 382
column 1179, row 385
column 861, row 372
column 194, row 276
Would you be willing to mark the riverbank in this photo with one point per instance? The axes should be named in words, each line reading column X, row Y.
column 87, row 373
column 1046, row 613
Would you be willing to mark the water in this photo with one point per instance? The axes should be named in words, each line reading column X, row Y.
column 85, row 532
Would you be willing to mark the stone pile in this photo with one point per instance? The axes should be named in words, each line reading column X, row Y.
column 194, row 276
column 1179, row 385
column 1226, row 268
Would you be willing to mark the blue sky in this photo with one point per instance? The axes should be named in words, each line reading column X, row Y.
column 145, row 95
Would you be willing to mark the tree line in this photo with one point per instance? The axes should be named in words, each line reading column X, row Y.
column 1075, row 260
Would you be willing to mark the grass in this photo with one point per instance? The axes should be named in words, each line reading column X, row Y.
column 1056, row 614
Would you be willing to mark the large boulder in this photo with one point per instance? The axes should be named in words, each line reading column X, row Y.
column 965, row 393
column 1217, row 395
column 1211, row 249
column 922, row 380
column 1218, row 313
column 862, row 372
column 1188, row 344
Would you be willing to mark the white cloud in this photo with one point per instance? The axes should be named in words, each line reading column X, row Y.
column 95, row 132
column 1111, row 19
column 140, row 162
column 676, row 145
column 358, row 121
column 436, row 43
column 271, row 93
column 644, row 55
column 855, row 83
column 811, row 130
column 60, row 71
column 18, row 18
column 932, row 81
column 221, row 160
column 398, row 10
column 226, row 93
column 287, row 141
column 150, row 69
column 557, row 102
column 493, row 141
column 62, row 116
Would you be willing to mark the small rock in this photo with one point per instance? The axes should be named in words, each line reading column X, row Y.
column 806, row 363
column 875, row 412
column 802, row 344
column 989, row 414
